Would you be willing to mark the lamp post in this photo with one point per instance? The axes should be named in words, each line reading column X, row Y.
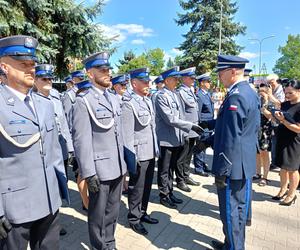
column 220, row 33
column 260, row 44
column 220, row 27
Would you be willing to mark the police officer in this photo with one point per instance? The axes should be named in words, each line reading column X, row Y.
column 120, row 85
column 170, row 128
column 190, row 108
column 235, row 148
column 32, row 170
column 98, row 144
column 140, row 139
column 159, row 84
column 206, row 113
column 68, row 99
column 69, row 82
column 43, row 83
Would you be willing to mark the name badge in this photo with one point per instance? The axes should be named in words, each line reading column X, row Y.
column 17, row 122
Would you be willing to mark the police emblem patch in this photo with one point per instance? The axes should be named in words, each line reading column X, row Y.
column 28, row 42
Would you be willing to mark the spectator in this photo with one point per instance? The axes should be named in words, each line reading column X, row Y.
column 288, row 144
column 264, row 135
column 217, row 98
column 276, row 96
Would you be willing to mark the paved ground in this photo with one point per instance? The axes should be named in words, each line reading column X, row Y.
column 195, row 223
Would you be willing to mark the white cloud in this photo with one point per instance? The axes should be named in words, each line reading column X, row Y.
column 248, row 55
column 138, row 41
column 287, row 27
column 120, row 32
column 136, row 29
column 176, row 51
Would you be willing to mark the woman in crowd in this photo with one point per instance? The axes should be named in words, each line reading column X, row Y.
column 217, row 98
column 264, row 137
column 288, row 144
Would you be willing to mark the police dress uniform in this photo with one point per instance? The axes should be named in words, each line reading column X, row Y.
column 32, row 171
column 98, row 145
column 170, row 129
column 235, row 148
column 206, row 113
column 190, row 108
column 157, row 80
column 140, row 139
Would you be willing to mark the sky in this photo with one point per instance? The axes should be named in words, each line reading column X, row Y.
column 140, row 25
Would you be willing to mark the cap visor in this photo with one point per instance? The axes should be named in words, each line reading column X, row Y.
column 25, row 58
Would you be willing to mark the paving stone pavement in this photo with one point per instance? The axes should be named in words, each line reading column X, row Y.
column 195, row 223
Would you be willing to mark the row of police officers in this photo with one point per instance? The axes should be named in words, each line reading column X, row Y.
column 112, row 134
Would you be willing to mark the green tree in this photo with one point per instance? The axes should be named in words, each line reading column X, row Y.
column 137, row 62
column 288, row 65
column 153, row 58
column 200, row 47
column 64, row 29
column 156, row 60
column 127, row 57
column 170, row 63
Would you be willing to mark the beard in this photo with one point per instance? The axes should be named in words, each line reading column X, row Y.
column 103, row 82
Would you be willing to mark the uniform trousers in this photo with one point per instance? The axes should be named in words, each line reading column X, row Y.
column 139, row 189
column 41, row 234
column 166, row 164
column 182, row 169
column 234, row 200
column 103, row 213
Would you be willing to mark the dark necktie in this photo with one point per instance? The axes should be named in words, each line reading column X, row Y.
column 27, row 103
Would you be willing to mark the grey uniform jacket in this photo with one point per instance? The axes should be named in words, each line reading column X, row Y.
column 97, row 135
column 138, row 123
column 190, row 106
column 68, row 101
column 64, row 134
column 170, row 123
column 28, row 180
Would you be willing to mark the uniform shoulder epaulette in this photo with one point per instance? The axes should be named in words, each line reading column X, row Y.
column 126, row 98
column 82, row 92
column 39, row 94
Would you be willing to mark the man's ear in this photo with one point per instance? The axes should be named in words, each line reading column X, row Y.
column 4, row 67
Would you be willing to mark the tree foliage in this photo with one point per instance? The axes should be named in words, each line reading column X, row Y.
column 288, row 65
column 201, row 44
column 153, row 58
column 64, row 29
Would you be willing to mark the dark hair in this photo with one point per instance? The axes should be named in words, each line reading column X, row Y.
column 294, row 84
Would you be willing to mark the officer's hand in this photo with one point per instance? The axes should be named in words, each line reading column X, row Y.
column 203, row 124
column 93, row 183
column 5, row 227
column 197, row 129
column 220, row 181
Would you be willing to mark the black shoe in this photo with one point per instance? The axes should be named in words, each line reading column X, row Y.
column 175, row 200
column 257, row 177
column 62, row 232
column 217, row 244
column 248, row 223
column 192, row 182
column 167, row 202
column 201, row 173
column 278, row 198
column 147, row 219
column 182, row 186
column 139, row 228
column 283, row 203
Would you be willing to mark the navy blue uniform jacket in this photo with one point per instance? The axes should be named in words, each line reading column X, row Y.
column 235, row 140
